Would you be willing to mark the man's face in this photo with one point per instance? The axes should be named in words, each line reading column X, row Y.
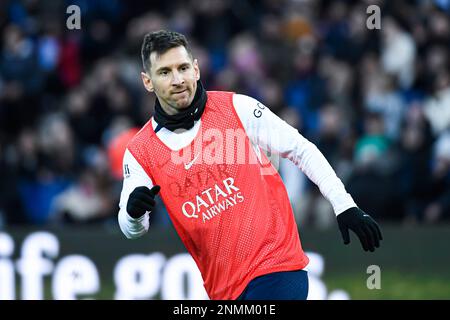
column 173, row 77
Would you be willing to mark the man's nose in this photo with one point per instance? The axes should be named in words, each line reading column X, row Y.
column 177, row 78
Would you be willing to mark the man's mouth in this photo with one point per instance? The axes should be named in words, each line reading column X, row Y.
column 178, row 92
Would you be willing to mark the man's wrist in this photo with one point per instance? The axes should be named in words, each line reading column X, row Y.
column 345, row 208
column 137, row 219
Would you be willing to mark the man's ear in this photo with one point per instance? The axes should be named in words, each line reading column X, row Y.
column 148, row 84
column 196, row 69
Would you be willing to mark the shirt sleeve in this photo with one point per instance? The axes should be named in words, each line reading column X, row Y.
column 274, row 135
column 133, row 176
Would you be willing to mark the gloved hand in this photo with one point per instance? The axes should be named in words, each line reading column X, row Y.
column 363, row 225
column 141, row 200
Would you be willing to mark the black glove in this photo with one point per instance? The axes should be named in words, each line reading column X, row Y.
column 363, row 225
column 141, row 200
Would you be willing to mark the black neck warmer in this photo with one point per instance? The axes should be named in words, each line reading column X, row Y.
column 185, row 118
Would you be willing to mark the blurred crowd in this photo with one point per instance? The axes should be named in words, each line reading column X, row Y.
column 375, row 102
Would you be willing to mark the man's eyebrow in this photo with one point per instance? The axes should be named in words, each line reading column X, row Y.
column 162, row 69
column 184, row 64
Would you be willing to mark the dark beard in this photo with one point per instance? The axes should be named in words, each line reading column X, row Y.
column 185, row 118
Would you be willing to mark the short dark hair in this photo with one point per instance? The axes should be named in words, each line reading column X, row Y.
column 160, row 42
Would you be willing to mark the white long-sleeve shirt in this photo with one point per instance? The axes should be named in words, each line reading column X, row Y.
column 265, row 130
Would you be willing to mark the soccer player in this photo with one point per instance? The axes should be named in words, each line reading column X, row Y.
column 229, row 208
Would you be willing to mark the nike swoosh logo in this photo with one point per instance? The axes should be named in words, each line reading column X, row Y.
column 188, row 165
